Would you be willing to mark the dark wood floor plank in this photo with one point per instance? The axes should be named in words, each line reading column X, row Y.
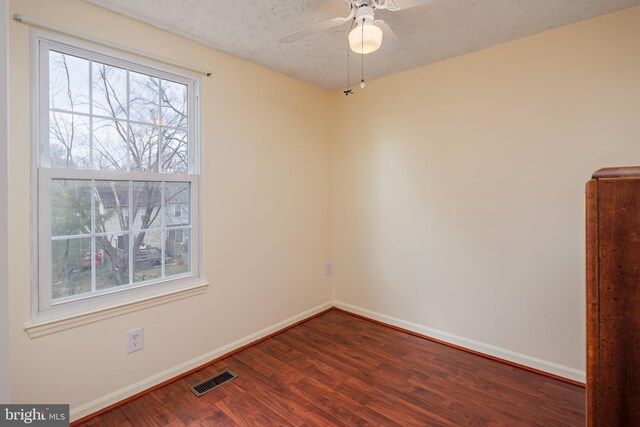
column 390, row 379
column 281, row 395
column 114, row 417
column 185, row 406
column 339, row 370
column 246, row 411
column 315, row 390
column 143, row 412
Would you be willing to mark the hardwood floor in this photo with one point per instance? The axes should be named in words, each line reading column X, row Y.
column 340, row 370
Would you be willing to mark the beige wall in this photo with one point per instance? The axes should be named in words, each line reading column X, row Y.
column 267, row 224
column 458, row 188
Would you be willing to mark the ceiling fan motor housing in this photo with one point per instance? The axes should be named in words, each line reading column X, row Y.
column 364, row 13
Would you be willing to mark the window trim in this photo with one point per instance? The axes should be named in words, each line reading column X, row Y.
column 41, row 327
column 41, row 42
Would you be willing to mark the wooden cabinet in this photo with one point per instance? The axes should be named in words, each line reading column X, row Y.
column 613, row 298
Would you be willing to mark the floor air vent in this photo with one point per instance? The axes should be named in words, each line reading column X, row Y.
column 211, row 383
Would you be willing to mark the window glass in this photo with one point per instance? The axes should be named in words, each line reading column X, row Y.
column 115, row 132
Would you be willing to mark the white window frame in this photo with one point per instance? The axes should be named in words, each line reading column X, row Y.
column 43, row 308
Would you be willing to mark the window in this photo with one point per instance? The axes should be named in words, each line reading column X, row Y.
column 118, row 158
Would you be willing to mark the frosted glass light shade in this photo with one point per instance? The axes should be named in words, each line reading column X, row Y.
column 365, row 40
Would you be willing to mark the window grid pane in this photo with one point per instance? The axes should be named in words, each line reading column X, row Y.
column 68, row 82
column 108, row 117
column 128, row 239
column 70, row 264
column 108, row 126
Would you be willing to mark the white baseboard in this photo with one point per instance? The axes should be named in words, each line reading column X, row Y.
column 119, row 395
column 512, row 356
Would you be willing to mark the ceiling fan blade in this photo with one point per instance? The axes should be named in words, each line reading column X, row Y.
column 394, row 5
column 317, row 28
column 390, row 41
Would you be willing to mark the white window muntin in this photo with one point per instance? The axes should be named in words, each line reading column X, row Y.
column 42, row 43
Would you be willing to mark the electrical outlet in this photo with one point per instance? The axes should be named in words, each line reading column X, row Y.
column 328, row 268
column 135, row 340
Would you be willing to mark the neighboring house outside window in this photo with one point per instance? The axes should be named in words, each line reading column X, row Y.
column 118, row 159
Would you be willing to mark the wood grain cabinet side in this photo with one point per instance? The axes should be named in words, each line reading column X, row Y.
column 613, row 298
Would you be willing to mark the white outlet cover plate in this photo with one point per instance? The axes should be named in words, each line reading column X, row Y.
column 328, row 268
column 135, row 340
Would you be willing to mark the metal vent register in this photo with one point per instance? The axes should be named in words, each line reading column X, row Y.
column 208, row 385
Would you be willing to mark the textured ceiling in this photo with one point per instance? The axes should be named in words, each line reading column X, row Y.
column 439, row 30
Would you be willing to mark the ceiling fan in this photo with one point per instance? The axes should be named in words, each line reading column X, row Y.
column 366, row 33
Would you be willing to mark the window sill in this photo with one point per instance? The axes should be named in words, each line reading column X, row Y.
column 39, row 329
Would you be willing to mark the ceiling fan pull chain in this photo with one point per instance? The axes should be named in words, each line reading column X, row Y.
column 348, row 90
column 362, row 61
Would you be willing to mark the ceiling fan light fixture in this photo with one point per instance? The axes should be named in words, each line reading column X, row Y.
column 365, row 37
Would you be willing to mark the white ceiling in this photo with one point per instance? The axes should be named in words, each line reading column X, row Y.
column 440, row 30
